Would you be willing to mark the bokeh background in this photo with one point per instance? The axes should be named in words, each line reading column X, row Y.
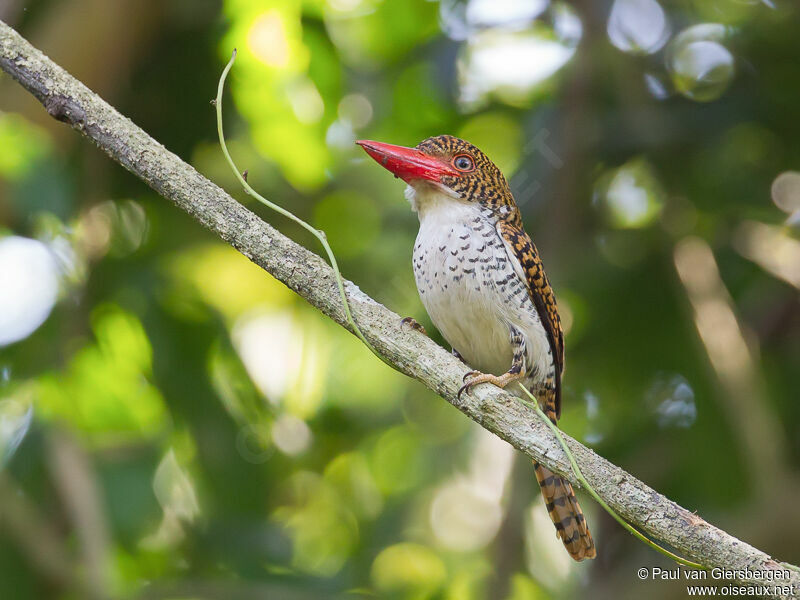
column 174, row 423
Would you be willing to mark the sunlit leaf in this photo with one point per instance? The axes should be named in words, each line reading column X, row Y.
column 225, row 280
column 702, row 68
column 324, row 531
column 174, row 490
column 350, row 475
column 631, row 195
column 397, row 461
column 285, row 357
column 234, row 387
column 524, row 588
column 104, row 390
column 273, row 90
column 16, row 415
column 408, row 567
column 376, row 31
column 175, row 493
column 22, row 144
column 638, row 26
column 291, row 435
column 510, row 65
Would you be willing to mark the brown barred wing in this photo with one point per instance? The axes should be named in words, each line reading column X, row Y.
column 540, row 292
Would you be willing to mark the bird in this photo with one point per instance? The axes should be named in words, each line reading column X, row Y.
column 481, row 280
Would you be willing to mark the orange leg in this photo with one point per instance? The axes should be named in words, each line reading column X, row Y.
column 473, row 378
column 516, row 371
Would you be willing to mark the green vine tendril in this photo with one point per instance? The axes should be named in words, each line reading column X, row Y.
column 534, row 405
column 320, row 235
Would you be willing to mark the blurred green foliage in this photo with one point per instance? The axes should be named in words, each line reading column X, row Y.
column 174, row 423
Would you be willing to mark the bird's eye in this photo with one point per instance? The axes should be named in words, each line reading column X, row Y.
column 462, row 162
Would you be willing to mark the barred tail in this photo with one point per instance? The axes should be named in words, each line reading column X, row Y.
column 566, row 513
column 561, row 503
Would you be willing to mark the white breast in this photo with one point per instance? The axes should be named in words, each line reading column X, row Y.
column 468, row 284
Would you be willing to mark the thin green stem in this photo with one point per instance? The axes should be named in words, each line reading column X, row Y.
column 320, row 235
column 534, row 404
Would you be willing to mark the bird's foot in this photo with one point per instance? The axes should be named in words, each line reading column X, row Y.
column 473, row 378
column 411, row 322
column 457, row 355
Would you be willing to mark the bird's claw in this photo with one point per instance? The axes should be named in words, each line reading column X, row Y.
column 411, row 322
column 473, row 378
column 469, row 380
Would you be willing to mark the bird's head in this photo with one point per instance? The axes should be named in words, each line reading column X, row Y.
column 450, row 165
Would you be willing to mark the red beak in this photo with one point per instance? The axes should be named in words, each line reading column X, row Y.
column 408, row 164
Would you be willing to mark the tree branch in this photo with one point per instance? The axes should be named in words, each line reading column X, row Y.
column 68, row 100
